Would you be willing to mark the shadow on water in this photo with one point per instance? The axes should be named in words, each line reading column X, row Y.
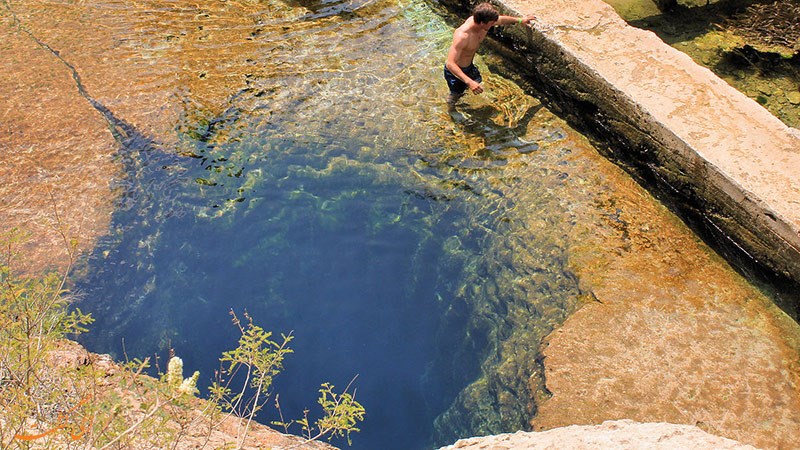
column 500, row 141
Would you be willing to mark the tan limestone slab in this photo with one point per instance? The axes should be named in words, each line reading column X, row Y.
column 757, row 156
column 609, row 435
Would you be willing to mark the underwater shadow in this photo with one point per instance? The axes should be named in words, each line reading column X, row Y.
column 501, row 142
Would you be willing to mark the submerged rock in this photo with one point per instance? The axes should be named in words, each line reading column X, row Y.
column 793, row 97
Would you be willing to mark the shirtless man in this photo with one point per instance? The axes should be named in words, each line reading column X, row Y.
column 459, row 70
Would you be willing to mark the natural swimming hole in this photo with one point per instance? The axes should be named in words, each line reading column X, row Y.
column 314, row 178
column 335, row 198
column 362, row 260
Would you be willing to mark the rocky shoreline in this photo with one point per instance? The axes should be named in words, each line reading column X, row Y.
column 223, row 434
column 610, row 434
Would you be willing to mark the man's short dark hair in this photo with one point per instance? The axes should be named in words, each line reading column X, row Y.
column 484, row 13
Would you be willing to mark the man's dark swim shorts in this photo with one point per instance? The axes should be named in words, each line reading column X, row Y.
column 457, row 87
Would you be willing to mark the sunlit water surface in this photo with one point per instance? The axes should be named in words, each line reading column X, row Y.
column 316, row 180
column 336, row 198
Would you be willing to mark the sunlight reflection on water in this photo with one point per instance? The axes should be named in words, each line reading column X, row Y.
column 335, row 196
column 314, row 177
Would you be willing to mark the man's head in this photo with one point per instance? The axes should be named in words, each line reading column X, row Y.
column 484, row 13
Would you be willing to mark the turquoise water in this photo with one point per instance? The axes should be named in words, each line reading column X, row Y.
column 335, row 197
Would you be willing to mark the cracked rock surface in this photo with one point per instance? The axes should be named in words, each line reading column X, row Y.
column 612, row 434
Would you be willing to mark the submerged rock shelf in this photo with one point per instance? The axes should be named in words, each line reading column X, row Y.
column 727, row 163
column 728, row 160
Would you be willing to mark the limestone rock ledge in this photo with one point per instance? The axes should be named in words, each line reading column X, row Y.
column 619, row 434
column 71, row 356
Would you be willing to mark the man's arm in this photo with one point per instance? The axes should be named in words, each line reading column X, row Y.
column 459, row 42
column 511, row 20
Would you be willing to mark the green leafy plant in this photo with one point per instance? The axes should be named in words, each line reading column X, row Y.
column 342, row 414
column 34, row 317
column 261, row 359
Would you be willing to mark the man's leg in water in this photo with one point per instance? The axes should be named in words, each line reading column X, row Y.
column 453, row 98
column 458, row 87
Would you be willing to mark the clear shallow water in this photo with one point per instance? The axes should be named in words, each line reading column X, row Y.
column 297, row 160
column 331, row 195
